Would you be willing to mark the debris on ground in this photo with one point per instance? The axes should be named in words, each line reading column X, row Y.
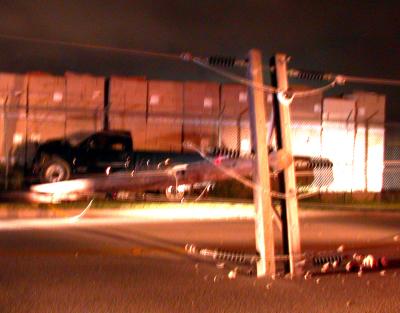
column 308, row 275
column 220, row 265
column 217, row 278
column 232, row 274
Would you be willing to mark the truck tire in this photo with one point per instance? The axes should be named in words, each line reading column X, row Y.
column 54, row 170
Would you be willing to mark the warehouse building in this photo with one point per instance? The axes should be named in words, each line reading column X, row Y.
column 163, row 115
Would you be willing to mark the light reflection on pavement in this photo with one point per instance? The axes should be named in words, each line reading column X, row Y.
column 145, row 215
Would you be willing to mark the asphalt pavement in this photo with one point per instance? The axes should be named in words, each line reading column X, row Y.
column 122, row 262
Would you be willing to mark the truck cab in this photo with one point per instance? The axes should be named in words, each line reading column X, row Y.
column 103, row 150
column 82, row 153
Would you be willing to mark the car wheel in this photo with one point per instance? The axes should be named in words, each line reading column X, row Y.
column 55, row 170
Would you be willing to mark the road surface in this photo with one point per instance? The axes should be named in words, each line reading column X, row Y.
column 126, row 264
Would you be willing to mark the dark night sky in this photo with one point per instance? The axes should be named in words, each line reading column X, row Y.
column 350, row 37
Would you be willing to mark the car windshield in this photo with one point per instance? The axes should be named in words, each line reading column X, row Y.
column 76, row 138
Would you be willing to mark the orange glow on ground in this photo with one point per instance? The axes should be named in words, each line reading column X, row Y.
column 149, row 213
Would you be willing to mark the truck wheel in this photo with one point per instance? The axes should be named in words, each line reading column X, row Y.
column 174, row 195
column 54, row 170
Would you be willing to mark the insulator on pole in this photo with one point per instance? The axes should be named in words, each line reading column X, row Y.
column 309, row 75
column 225, row 61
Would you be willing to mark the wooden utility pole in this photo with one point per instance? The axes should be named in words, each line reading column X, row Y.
column 287, row 179
column 262, row 193
column 5, row 146
column 106, row 118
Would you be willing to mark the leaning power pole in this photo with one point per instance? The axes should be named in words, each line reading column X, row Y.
column 287, row 179
column 262, row 194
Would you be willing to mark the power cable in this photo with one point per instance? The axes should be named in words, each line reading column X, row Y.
column 177, row 57
column 369, row 80
column 314, row 91
column 233, row 77
column 226, row 171
column 305, row 74
column 301, row 74
column 265, row 88
column 340, row 78
column 248, row 183
column 146, row 53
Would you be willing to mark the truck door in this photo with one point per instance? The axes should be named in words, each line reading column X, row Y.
column 101, row 151
column 118, row 153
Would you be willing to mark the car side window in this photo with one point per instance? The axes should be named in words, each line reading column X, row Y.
column 97, row 143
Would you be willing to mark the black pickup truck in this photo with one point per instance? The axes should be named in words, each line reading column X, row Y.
column 112, row 151
column 100, row 152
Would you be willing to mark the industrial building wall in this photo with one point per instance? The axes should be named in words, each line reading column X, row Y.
column 163, row 115
column 164, row 119
column 353, row 137
column 36, row 107
column 201, row 108
column 128, row 107
column 13, row 99
column 348, row 131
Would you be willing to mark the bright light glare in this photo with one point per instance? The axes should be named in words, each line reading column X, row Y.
column 53, row 198
column 64, row 187
column 192, row 211
column 357, row 154
column 17, row 139
column 357, row 158
column 163, row 213
column 183, row 188
column 245, row 147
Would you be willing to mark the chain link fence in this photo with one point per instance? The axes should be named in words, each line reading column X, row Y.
column 365, row 160
column 341, row 145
